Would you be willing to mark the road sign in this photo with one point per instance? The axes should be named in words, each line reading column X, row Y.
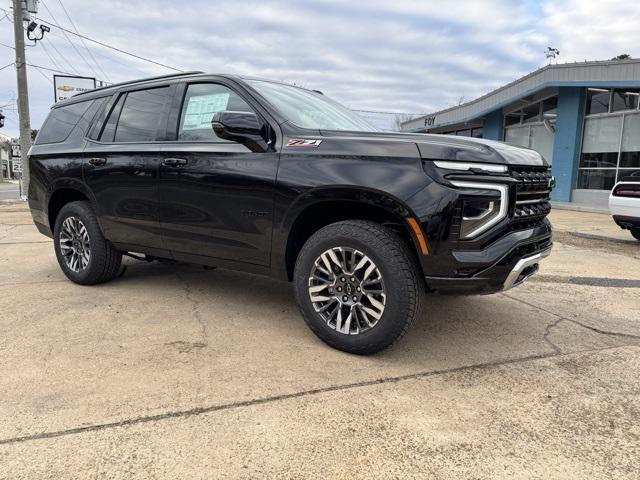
column 15, row 149
column 66, row 86
column 16, row 166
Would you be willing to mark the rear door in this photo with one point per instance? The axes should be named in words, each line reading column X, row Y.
column 216, row 196
column 122, row 166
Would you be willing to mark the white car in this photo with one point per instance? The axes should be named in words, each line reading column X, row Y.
column 624, row 204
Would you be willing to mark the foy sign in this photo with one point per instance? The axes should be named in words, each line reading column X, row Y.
column 66, row 86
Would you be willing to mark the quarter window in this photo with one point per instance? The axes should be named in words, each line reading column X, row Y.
column 61, row 121
column 201, row 102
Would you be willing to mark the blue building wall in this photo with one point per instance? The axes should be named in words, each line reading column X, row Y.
column 567, row 144
column 493, row 126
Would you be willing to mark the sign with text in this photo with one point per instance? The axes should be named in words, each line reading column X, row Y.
column 65, row 86
column 15, row 149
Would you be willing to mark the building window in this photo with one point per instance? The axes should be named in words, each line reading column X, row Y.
column 624, row 100
column 466, row 132
column 598, row 100
column 606, row 100
column 610, row 150
column 532, row 127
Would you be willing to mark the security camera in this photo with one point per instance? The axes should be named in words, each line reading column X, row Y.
column 44, row 29
column 32, row 26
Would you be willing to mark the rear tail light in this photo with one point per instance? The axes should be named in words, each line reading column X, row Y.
column 627, row 190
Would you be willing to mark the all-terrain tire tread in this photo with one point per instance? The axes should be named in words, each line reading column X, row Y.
column 381, row 239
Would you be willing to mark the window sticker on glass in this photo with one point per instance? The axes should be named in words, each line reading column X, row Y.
column 201, row 108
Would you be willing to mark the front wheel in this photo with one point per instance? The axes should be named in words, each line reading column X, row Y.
column 84, row 255
column 358, row 286
column 636, row 233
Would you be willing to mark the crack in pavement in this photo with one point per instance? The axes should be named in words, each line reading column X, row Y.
column 195, row 309
column 570, row 320
column 288, row 396
column 8, row 232
column 547, row 332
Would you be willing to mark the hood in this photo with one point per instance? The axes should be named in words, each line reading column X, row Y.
column 454, row 148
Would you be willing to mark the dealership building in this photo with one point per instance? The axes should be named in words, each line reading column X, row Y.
column 583, row 118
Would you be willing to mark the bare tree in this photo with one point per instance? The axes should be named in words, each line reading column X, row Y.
column 399, row 119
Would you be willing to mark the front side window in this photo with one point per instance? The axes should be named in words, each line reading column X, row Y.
column 142, row 115
column 201, row 102
column 309, row 109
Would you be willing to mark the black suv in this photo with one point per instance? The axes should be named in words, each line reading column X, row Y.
column 273, row 179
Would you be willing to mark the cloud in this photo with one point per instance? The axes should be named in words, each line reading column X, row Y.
column 400, row 56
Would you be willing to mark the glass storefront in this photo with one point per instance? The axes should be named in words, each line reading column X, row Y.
column 611, row 138
column 532, row 126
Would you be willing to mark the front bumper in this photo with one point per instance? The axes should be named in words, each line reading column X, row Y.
column 504, row 264
column 524, row 269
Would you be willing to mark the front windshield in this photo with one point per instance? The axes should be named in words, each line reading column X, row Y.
column 311, row 110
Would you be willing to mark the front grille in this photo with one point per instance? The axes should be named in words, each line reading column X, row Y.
column 532, row 195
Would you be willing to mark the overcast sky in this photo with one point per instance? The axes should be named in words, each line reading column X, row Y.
column 384, row 55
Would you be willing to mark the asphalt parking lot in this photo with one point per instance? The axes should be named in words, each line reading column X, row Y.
column 181, row 372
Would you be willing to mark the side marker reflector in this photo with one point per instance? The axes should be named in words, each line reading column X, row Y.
column 422, row 242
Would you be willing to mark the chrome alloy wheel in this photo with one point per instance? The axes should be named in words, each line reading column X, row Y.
column 74, row 244
column 347, row 290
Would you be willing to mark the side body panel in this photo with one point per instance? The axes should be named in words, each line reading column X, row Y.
column 380, row 174
column 217, row 204
column 126, row 189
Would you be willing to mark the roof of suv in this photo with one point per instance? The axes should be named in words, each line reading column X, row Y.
column 109, row 89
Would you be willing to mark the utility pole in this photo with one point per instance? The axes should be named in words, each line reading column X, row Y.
column 23, row 96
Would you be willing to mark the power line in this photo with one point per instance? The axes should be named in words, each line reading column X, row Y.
column 69, row 40
column 42, row 73
column 82, row 41
column 49, row 69
column 62, row 56
column 8, row 65
column 8, row 46
column 55, row 64
column 89, row 39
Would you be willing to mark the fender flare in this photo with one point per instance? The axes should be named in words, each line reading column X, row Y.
column 395, row 207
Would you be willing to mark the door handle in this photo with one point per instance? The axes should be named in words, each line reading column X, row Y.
column 97, row 161
column 174, row 162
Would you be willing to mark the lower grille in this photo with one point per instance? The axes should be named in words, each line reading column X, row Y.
column 532, row 194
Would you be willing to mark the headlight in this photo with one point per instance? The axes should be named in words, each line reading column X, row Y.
column 480, row 214
column 471, row 166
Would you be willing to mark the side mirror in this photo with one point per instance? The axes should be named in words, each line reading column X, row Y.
column 241, row 127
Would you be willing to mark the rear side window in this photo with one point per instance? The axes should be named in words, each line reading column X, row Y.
column 142, row 115
column 61, row 121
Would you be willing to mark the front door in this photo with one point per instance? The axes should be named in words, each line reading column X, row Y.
column 216, row 196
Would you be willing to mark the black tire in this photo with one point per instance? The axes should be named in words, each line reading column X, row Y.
column 636, row 233
column 104, row 260
column 403, row 283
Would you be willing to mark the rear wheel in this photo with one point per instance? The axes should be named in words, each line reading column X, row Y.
column 636, row 233
column 83, row 253
column 357, row 286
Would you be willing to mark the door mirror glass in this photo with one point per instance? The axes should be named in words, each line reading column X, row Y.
column 241, row 127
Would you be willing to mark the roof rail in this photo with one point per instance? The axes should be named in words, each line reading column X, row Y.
column 140, row 80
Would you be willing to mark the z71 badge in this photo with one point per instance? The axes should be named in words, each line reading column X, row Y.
column 302, row 142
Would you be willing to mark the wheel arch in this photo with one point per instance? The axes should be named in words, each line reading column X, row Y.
column 65, row 191
column 320, row 207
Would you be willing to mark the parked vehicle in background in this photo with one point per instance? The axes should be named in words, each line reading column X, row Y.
column 624, row 204
column 269, row 178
